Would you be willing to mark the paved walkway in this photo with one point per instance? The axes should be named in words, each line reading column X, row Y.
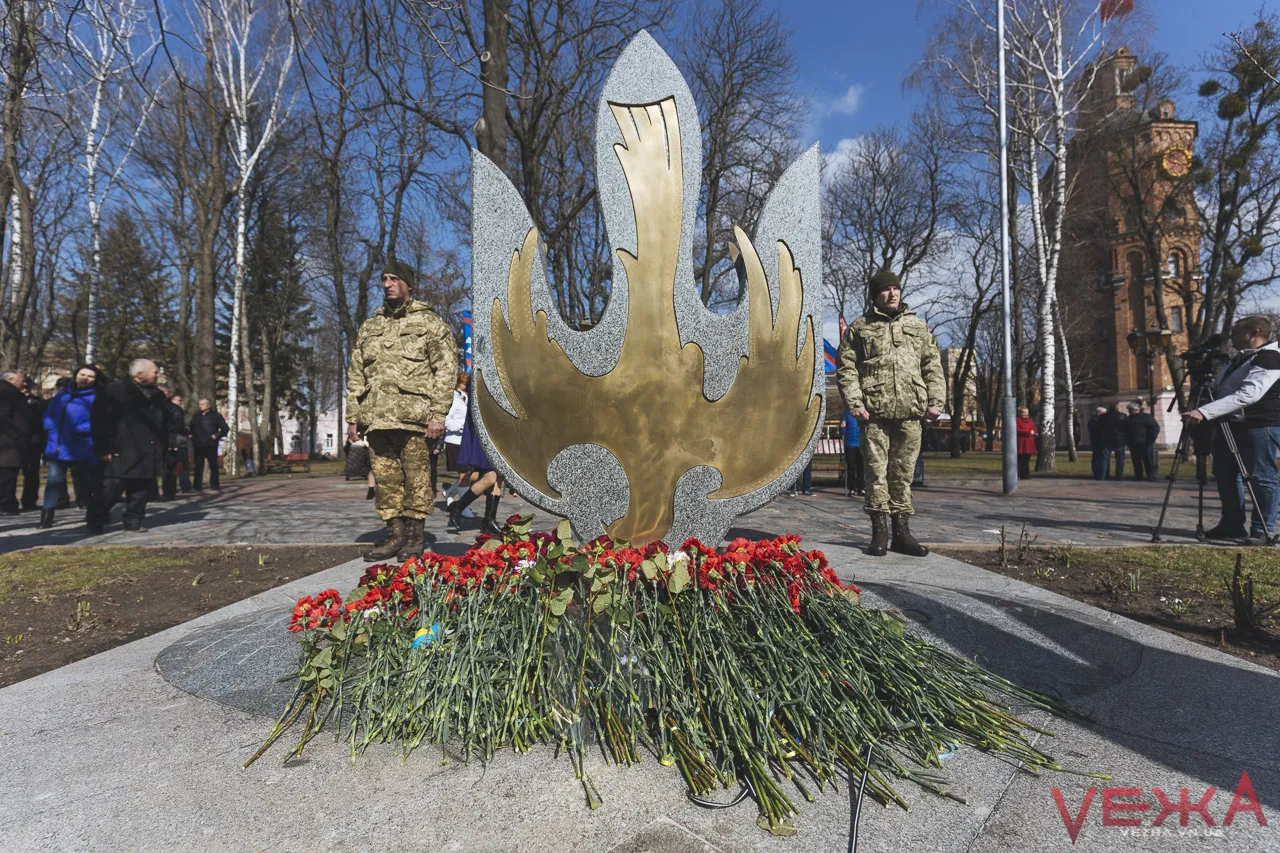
column 325, row 510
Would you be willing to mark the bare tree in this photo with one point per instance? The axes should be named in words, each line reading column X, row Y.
column 1050, row 47
column 741, row 69
column 22, row 40
column 958, row 70
column 558, row 55
column 108, row 42
column 186, row 178
column 1238, row 180
column 254, row 49
column 970, row 285
column 887, row 205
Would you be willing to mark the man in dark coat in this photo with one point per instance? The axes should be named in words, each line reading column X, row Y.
column 1099, row 448
column 35, row 447
column 131, row 423
column 206, row 429
column 15, row 438
column 1114, row 433
column 1141, row 432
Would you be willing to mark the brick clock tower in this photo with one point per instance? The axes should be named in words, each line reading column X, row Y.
column 1107, row 288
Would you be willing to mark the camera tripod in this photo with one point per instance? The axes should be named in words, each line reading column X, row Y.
column 1197, row 439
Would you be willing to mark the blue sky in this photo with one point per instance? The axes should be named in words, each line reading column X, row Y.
column 854, row 54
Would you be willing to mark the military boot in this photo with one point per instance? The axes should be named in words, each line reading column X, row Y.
column 391, row 547
column 903, row 541
column 412, row 538
column 879, row 534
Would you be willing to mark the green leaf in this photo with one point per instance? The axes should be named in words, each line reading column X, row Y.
column 852, row 595
column 660, row 559
column 491, row 545
column 580, row 564
column 339, row 631
column 564, row 532
column 650, row 569
column 561, row 601
column 601, row 601
column 324, row 659
column 679, row 578
column 782, row 829
column 197, row 579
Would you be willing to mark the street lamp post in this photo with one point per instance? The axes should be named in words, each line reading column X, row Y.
column 1009, row 451
column 1148, row 345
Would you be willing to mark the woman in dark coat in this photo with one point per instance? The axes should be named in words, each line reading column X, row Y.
column 15, row 438
column 35, row 446
column 69, row 444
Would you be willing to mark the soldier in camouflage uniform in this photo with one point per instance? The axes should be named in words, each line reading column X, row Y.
column 890, row 375
column 399, row 388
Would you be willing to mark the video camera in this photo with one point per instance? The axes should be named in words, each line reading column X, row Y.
column 1202, row 362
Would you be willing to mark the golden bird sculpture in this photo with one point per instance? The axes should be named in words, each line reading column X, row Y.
column 650, row 411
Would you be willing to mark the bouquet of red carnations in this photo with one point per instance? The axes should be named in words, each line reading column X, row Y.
column 751, row 665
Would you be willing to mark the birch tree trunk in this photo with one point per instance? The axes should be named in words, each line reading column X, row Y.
column 1069, row 383
column 1046, row 339
column 236, row 354
column 100, row 38
column 91, row 151
column 232, row 24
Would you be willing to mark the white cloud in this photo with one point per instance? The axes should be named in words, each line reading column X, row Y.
column 848, row 103
column 835, row 160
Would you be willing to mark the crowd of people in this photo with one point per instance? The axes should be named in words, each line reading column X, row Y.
column 1113, row 431
column 126, row 440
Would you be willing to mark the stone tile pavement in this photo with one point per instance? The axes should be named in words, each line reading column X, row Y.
column 302, row 509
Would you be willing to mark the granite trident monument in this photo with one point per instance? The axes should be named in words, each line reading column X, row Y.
column 665, row 421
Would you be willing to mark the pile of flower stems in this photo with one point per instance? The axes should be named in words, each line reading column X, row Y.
column 731, row 688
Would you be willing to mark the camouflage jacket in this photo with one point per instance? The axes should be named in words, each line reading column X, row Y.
column 403, row 369
column 890, row 366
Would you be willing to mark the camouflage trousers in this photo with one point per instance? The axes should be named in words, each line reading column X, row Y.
column 401, row 462
column 890, row 448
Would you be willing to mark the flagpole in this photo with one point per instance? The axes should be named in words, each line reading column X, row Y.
column 1009, row 437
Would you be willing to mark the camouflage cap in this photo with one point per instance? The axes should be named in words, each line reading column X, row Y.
column 883, row 280
column 401, row 270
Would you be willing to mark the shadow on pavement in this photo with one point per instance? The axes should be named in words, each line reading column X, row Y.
column 1168, row 707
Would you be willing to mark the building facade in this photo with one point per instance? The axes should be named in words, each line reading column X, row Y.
column 1128, row 165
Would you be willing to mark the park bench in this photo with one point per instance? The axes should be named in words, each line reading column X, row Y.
column 828, row 457
column 286, row 463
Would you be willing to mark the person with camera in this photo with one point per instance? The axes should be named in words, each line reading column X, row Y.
column 1247, row 404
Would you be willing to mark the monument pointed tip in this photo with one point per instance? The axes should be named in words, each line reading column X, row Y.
column 643, row 51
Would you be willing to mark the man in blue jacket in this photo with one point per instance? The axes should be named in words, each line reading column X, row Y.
column 69, row 447
column 854, row 476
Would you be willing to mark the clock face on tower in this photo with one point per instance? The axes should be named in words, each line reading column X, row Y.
column 1176, row 161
